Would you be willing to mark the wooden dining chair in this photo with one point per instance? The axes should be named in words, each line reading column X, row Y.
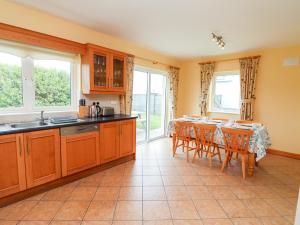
column 196, row 116
column 183, row 137
column 246, row 122
column 236, row 141
column 222, row 119
column 204, row 135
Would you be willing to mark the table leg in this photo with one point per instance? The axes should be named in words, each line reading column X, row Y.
column 251, row 160
column 174, row 142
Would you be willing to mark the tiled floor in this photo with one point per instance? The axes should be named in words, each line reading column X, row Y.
column 158, row 189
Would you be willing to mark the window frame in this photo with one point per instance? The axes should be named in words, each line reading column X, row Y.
column 28, row 90
column 212, row 93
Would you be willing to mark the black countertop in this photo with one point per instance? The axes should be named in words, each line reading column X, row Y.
column 7, row 129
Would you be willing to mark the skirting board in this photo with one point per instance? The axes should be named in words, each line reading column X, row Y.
column 284, row 154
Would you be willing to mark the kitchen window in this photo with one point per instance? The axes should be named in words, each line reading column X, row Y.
column 225, row 93
column 34, row 79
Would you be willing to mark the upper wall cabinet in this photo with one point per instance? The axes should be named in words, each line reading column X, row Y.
column 103, row 71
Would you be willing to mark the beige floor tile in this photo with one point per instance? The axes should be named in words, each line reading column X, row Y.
column 65, row 223
column 6, row 222
column 154, row 193
column 96, row 222
column 132, row 181
column 291, row 219
column 156, row 210
column 128, row 210
column 158, row 222
column 212, row 180
column 83, row 193
column 151, row 171
column 235, row 208
column 177, row 193
column 127, row 223
column 209, row 209
column 222, row 192
column 217, row 222
column 133, row 171
column 187, row 222
column 246, row 221
column 112, row 181
column 58, row 194
column 17, row 210
column 274, row 221
column 199, row 192
column 107, row 193
column 192, row 180
column 172, row 180
column 36, row 197
column 264, row 191
column 282, row 206
column 260, row 208
column 244, row 192
column 131, row 193
column 168, row 171
column 33, row 223
column 183, row 210
column 186, row 171
column 152, row 181
column 100, row 210
column 72, row 210
column 44, row 210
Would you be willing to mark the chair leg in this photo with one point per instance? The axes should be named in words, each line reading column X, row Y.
column 210, row 157
column 195, row 153
column 175, row 147
column 219, row 154
column 225, row 162
column 243, row 166
column 187, row 150
column 237, row 156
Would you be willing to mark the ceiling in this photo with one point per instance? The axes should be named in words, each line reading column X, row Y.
column 182, row 29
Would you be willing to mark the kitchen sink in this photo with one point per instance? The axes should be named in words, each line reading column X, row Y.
column 28, row 124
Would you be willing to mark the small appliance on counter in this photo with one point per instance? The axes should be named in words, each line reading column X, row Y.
column 83, row 109
column 108, row 111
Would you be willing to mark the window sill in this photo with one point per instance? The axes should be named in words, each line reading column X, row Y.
column 224, row 112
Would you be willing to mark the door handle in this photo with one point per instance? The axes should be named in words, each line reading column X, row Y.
column 20, row 146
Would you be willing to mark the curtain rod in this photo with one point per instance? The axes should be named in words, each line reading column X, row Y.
column 231, row 59
column 155, row 62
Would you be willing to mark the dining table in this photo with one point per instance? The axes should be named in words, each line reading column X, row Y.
column 259, row 142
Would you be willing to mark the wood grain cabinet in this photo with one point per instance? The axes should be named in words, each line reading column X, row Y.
column 103, row 71
column 12, row 164
column 117, row 139
column 79, row 152
column 127, row 137
column 42, row 156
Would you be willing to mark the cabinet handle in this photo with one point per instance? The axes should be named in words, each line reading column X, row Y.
column 27, row 147
column 20, row 146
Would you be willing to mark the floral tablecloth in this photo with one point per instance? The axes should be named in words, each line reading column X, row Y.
column 259, row 142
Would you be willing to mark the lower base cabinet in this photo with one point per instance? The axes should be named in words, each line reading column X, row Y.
column 117, row 139
column 79, row 152
column 12, row 164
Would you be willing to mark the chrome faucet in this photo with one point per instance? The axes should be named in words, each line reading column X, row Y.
column 42, row 117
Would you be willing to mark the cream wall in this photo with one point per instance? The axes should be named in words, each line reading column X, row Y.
column 278, row 94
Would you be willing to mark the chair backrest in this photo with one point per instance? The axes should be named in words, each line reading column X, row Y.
column 183, row 129
column 222, row 119
column 246, row 122
column 236, row 140
column 204, row 133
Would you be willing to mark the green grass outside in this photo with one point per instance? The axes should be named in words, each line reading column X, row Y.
column 155, row 121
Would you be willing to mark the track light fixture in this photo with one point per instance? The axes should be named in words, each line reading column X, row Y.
column 218, row 40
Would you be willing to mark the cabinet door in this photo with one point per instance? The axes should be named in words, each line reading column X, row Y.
column 109, row 141
column 118, row 73
column 42, row 157
column 12, row 164
column 127, row 137
column 79, row 152
column 99, row 71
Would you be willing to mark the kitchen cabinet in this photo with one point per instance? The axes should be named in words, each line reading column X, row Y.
column 109, row 141
column 12, row 164
column 103, row 71
column 127, row 137
column 79, row 152
column 117, row 139
column 42, row 156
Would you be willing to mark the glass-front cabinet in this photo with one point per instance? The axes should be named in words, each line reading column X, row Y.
column 118, row 72
column 103, row 71
column 100, row 72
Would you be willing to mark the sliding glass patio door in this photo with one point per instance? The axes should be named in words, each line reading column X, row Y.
column 149, row 104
